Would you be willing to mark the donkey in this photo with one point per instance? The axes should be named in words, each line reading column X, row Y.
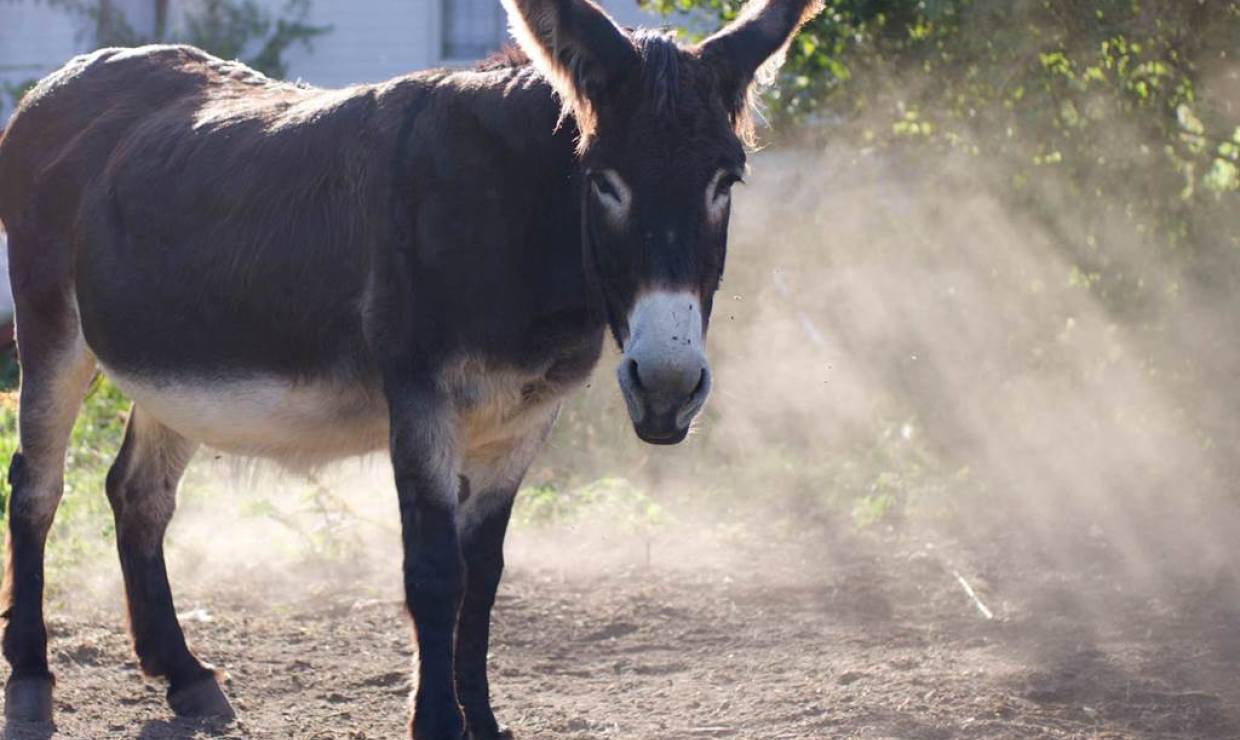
column 428, row 264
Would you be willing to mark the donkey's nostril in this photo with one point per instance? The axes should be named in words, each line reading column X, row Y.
column 634, row 375
column 701, row 384
column 693, row 404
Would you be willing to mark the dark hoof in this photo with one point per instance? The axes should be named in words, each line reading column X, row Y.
column 501, row 733
column 446, row 730
column 28, row 699
column 202, row 698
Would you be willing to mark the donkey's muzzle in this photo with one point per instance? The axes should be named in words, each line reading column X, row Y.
column 664, row 375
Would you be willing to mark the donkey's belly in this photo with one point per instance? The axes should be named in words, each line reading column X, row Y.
column 298, row 424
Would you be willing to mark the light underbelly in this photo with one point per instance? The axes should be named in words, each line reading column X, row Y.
column 297, row 424
column 302, row 425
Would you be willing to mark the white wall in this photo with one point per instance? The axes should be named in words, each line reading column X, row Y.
column 34, row 41
column 370, row 40
column 377, row 39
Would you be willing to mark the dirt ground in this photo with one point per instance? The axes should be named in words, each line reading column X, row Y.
column 878, row 639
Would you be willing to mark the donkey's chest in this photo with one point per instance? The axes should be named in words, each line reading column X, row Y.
column 498, row 409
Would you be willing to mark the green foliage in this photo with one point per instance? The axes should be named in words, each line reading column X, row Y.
column 10, row 372
column 11, row 94
column 1129, row 105
column 228, row 28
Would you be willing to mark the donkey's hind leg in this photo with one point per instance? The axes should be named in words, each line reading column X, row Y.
column 56, row 371
column 142, row 487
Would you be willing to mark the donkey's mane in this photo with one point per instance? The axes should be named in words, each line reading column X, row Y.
column 508, row 56
column 660, row 67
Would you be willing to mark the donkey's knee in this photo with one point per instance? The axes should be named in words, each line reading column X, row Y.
column 53, row 386
column 142, row 482
column 141, row 506
column 33, row 496
column 35, row 489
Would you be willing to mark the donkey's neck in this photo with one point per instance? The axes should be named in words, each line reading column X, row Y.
column 507, row 160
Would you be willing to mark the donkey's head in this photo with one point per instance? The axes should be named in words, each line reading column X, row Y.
column 661, row 129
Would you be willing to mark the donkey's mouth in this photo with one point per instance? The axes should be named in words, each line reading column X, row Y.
column 654, row 436
column 661, row 417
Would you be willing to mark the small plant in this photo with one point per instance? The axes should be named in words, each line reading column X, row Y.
column 613, row 500
column 328, row 528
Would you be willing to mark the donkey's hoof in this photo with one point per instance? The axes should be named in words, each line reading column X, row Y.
column 203, row 698
column 446, row 726
column 28, row 699
column 501, row 733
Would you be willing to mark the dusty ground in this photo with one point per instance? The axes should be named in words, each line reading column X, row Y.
column 880, row 641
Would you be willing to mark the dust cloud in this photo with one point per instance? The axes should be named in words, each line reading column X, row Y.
column 897, row 349
column 912, row 313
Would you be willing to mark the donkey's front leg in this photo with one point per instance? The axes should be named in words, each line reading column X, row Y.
column 426, row 463
column 484, row 521
column 486, row 505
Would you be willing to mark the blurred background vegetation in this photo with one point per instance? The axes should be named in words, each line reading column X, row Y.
column 230, row 29
column 1134, row 103
column 1112, row 126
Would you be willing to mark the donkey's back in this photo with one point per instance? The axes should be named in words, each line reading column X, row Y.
column 162, row 176
column 73, row 121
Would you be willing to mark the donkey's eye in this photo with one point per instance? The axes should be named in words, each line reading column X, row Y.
column 603, row 187
column 608, row 185
column 719, row 193
column 723, row 186
column 610, row 191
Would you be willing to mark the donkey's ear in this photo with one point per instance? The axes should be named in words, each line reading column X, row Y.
column 752, row 47
column 576, row 46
